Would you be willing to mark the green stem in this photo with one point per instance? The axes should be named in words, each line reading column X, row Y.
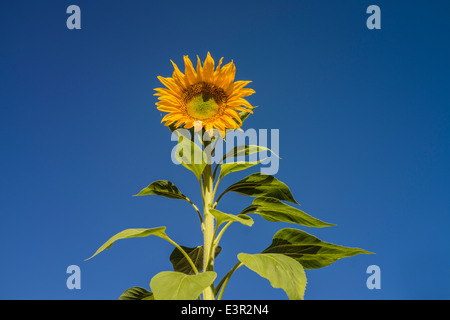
column 214, row 192
column 217, row 167
column 203, row 191
column 215, row 170
column 219, row 236
column 196, row 209
column 218, row 198
column 223, row 283
column 208, row 227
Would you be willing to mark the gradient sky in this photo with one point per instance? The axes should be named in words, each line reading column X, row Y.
column 364, row 120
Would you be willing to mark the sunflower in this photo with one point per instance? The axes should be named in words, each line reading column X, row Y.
column 204, row 97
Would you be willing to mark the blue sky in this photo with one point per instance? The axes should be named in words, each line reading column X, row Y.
column 364, row 139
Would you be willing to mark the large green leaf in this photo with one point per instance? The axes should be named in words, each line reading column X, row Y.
column 191, row 156
column 171, row 285
column 310, row 251
column 274, row 210
column 282, row 272
column 180, row 263
column 136, row 293
column 162, row 188
column 132, row 233
column 227, row 168
column 222, row 217
column 261, row 185
column 244, row 150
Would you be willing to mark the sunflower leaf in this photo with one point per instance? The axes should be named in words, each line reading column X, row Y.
column 274, row 210
column 228, row 168
column 162, row 188
column 261, row 185
column 282, row 272
column 310, row 251
column 132, row 233
column 180, row 264
column 136, row 293
column 222, row 217
column 171, row 285
column 244, row 150
column 244, row 115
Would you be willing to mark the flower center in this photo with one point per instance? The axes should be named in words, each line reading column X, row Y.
column 204, row 101
column 202, row 106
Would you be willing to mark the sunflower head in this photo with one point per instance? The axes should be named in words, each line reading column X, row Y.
column 204, row 97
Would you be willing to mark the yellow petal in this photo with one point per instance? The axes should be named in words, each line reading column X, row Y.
column 169, row 99
column 230, row 112
column 170, row 83
column 179, row 122
column 245, row 92
column 223, row 74
column 165, row 92
column 169, row 117
column 178, row 75
column 228, row 80
column 191, row 75
column 208, row 68
column 239, row 108
column 199, row 70
column 167, row 109
column 189, row 123
column 238, row 85
column 218, row 68
column 229, row 122
column 240, row 102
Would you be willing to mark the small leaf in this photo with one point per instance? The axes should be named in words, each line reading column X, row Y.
column 310, row 251
column 132, row 233
column 282, row 272
column 136, row 293
column 180, row 263
column 227, row 168
column 274, row 210
column 261, row 185
column 222, row 217
column 172, row 127
column 190, row 155
column 244, row 115
column 170, row 285
column 162, row 188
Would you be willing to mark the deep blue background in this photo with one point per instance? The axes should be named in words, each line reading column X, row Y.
column 364, row 127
